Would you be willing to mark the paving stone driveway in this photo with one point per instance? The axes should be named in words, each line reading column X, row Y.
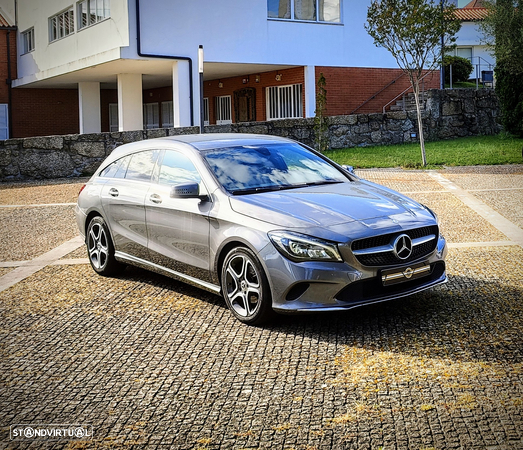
column 153, row 363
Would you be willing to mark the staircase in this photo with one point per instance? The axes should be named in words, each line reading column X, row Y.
column 408, row 103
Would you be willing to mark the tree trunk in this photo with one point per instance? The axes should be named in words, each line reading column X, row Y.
column 415, row 85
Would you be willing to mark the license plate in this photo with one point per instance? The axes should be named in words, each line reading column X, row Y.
column 403, row 274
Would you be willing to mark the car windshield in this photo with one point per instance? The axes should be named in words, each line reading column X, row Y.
column 259, row 168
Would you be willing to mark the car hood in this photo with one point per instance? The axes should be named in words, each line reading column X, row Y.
column 330, row 205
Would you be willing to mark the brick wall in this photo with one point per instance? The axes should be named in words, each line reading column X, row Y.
column 42, row 112
column 4, row 88
column 349, row 87
column 212, row 90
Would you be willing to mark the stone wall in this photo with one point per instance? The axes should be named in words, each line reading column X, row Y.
column 448, row 114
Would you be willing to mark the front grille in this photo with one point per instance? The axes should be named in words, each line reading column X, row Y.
column 388, row 258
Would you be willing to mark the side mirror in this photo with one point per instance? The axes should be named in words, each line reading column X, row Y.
column 349, row 169
column 185, row 190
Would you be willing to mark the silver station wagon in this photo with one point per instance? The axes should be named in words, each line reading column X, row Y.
column 267, row 222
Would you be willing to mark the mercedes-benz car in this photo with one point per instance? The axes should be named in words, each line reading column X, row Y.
column 268, row 223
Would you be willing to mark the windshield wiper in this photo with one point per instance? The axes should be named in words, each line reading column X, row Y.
column 319, row 183
column 257, row 190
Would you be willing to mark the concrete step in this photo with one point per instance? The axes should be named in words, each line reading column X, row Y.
column 407, row 103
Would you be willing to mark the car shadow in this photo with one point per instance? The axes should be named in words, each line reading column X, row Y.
column 465, row 319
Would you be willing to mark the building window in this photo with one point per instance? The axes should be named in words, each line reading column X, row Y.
column 223, row 110
column 167, row 115
column 284, row 102
column 113, row 117
column 4, row 122
column 305, row 10
column 61, row 25
column 151, row 116
column 464, row 52
column 28, row 41
column 92, row 11
column 206, row 111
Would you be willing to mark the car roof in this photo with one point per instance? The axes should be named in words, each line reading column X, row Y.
column 219, row 140
column 196, row 142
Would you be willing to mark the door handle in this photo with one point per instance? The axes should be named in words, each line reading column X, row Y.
column 155, row 198
column 114, row 192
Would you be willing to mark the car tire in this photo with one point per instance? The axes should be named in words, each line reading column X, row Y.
column 100, row 248
column 245, row 287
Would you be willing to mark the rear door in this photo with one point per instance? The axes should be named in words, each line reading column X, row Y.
column 123, row 201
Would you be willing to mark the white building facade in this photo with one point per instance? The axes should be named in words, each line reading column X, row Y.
column 471, row 42
column 120, row 53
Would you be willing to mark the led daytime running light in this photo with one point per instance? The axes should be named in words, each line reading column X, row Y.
column 304, row 248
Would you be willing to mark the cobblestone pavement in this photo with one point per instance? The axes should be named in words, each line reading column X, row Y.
column 153, row 363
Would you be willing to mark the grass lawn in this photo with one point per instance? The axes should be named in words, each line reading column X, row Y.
column 468, row 151
column 465, row 84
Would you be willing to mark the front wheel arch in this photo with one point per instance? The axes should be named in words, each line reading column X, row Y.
column 245, row 286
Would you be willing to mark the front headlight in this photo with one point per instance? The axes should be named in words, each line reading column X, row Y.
column 300, row 247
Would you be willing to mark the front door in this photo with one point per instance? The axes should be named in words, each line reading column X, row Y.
column 245, row 105
column 178, row 228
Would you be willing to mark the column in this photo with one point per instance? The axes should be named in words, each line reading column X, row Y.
column 310, row 90
column 89, row 105
column 182, row 95
column 130, row 105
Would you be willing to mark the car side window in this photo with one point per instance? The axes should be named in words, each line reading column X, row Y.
column 177, row 168
column 111, row 169
column 122, row 168
column 141, row 165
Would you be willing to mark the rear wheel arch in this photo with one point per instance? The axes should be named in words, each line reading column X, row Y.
column 100, row 246
column 88, row 219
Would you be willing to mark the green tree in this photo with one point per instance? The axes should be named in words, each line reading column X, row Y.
column 412, row 30
column 503, row 28
column 321, row 127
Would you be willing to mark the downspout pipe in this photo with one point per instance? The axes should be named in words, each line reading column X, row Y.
column 148, row 55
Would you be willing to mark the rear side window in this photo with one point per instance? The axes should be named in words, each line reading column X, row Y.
column 176, row 169
column 138, row 166
column 141, row 165
column 111, row 169
column 116, row 169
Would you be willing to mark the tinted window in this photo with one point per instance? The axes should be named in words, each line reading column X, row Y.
column 111, row 169
column 177, row 168
column 122, row 168
column 267, row 167
column 141, row 165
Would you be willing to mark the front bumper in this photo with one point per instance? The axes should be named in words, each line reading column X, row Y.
column 320, row 286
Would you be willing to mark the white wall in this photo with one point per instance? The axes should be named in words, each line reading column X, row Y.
column 471, row 35
column 7, row 8
column 92, row 45
column 235, row 31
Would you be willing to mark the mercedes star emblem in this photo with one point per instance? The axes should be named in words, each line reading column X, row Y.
column 402, row 246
